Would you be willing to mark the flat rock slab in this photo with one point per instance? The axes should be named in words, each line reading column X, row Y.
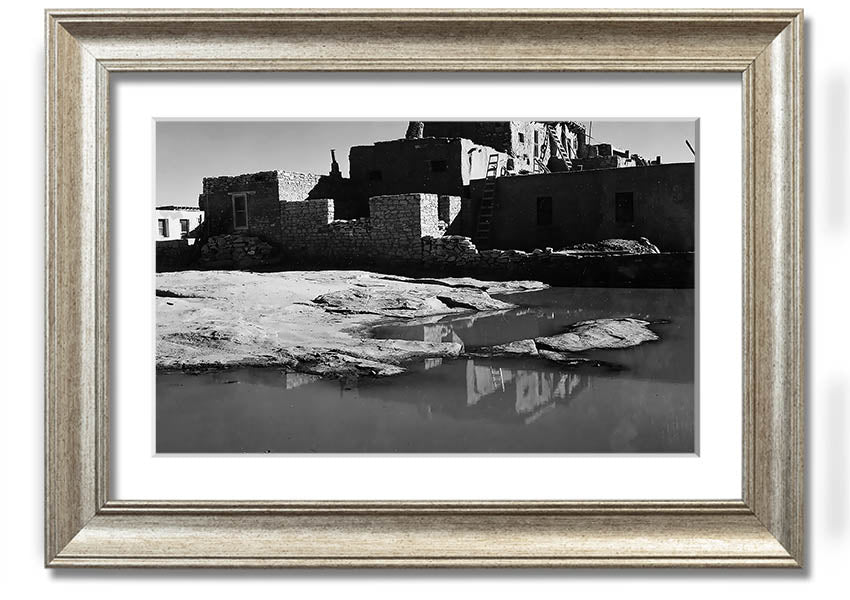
column 599, row 334
column 413, row 302
column 491, row 287
column 510, row 350
column 314, row 322
column 471, row 300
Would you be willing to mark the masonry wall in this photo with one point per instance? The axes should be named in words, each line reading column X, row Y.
column 391, row 235
column 584, row 208
column 266, row 190
column 412, row 166
column 263, row 204
column 511, row 137
column 457, row 255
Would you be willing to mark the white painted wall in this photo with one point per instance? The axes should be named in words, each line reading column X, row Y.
column 173, row 217
column 828, row 376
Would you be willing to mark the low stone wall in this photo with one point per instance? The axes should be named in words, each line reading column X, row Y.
column 392, row 234
column 406, row 234
column 176, row 255
column 236, row 251
column 457, row 255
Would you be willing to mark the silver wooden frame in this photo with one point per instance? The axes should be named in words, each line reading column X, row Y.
column 83, row 527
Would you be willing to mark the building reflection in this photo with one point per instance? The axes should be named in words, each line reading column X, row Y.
column 494, row 389
column 527, row 393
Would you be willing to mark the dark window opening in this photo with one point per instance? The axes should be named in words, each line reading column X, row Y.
column 521, row 138
column 240, row 211
column 536, row 144
column 624, row 207
column 439, row 166
column 184, row 228
column 162, row 224
column 544, row 210
column 375, row 176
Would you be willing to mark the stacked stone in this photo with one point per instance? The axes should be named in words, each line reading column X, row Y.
column 294, row 186
column 304, row 226
column 449, row 251
column 230, row 183
column 398, row 224
column 350, row 240
column 236, row 251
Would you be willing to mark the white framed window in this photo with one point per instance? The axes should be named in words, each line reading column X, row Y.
column 240, row 210
column 162, row 225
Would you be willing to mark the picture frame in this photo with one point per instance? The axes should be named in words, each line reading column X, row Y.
column 84, row 527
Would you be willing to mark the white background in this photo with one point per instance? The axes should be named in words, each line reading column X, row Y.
column 715, row 473
column 828, row 383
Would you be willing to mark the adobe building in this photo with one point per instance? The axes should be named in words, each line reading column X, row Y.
column 251, row 203
column 461, row 194
column 539, row 146
column 177, row 230
column 178, row 222
column 432, row 165
column 564, row 209
column 534, row 145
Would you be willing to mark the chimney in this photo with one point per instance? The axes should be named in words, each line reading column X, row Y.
column 415, row 130
column 335, row 172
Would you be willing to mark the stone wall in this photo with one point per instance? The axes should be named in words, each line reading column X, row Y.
column 584, row 208
column 309, row 231
column 176, row 255
column 457, row 255
column 294, row 186
column 391, row 235
column 266, row 190
column 263, row 211
column 516, row 138
column 399, row 222
column 236, row 251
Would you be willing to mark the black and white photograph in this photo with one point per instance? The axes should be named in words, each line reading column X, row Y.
column 460, row 286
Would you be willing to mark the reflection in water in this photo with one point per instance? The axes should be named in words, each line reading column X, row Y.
column 531, row 391
column 464, row 405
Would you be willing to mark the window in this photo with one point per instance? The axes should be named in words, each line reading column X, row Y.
column 375, row 176
column 184, row 228
column 240, row 211
column 624, row 207
column 521, row 138
column 536, row 144
column 162, row 224
column 544, row 210
column 439, row 166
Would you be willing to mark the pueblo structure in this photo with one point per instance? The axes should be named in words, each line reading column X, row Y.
column 501, row 200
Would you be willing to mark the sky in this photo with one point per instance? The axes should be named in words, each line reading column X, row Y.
column 188, row 151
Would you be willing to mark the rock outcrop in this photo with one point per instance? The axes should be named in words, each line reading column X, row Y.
column 579, row 337
column 599, row 333
column 314, row 322
column 641, row 246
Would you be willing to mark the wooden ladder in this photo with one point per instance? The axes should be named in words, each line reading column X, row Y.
column 562, row 152
column 488, row 196
column 498, row 378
